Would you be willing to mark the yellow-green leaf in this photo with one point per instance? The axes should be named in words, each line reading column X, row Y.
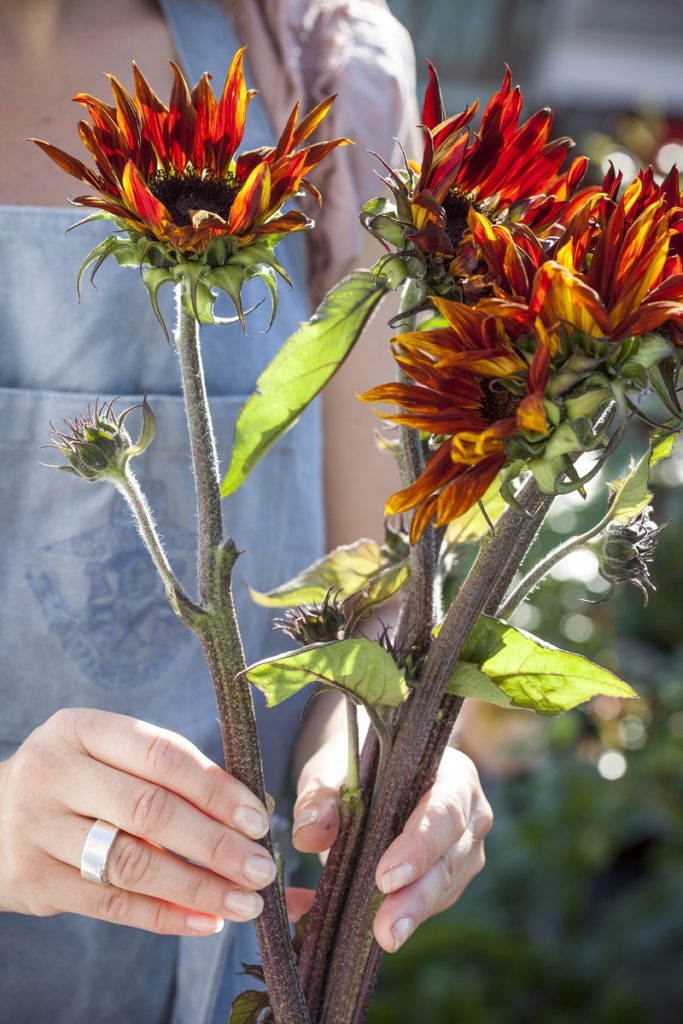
column 631, row 493
column 347, row 569
column 528, row 671
column 300, row 369
column 359, row 667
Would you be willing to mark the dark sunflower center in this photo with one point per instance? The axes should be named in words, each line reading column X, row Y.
column 185, row 192
column 457, row 205
column 498, row 403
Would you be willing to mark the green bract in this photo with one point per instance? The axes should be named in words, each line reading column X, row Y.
column 223, row 266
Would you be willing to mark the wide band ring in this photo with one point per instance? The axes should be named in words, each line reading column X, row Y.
column 96, row 850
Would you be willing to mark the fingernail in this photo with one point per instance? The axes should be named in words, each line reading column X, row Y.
column 245, row 904
column 260, row 870
column 251, row 822
column 311, row 816
column 396, row 878
column 270, row 805
column 204, row 924
column 402, row 930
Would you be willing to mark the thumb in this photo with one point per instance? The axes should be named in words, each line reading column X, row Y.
column 316, row 811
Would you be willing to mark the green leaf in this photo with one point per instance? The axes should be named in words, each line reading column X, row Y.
column 529, row 672
column 468, row 681
column 662, row 446
column 247, row 1006
column 300, row 369
column 472, row 525
column 383, row 585
column 346, row 569
column 631, row 493
column 361, row 668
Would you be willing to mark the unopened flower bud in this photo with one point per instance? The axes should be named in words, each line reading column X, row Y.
column 626, row 550
column 97, row 446
column 314, row 623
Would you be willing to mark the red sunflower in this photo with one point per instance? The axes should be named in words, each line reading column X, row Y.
column 473, row 390
column 608, row 274
column 171, row 173
column 503, row 165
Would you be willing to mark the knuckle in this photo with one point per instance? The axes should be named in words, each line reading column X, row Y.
column 220, row 850
column 164, row 755
column 483, row 820
column 456, row 813
column 132, row 862
column 70, row 724
column 116, row 905
column 196, row 889
column 151, row 810
column 446, row 871
column 216, row 793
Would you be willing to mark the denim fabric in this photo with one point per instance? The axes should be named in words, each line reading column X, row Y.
column 83, row 620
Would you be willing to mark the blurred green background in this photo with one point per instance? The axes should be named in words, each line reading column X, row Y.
column 578, row 915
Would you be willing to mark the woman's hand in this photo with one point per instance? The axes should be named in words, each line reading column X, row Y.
column 165, row 796
column 427, row 867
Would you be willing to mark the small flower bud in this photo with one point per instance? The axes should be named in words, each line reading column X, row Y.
column 97, row 446
column 314, row 623
column 626, row 549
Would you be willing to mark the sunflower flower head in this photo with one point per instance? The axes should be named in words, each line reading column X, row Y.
column 474, row 392
column 188, row 207
column 504, row 170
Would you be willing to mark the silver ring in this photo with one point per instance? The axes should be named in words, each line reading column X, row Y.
column 96, row 850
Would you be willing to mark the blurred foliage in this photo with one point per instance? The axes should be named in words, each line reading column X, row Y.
column 579, row 913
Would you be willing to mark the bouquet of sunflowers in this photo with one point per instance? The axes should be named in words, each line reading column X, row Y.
column 536, row 316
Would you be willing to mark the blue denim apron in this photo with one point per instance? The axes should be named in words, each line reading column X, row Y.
column 84, row 620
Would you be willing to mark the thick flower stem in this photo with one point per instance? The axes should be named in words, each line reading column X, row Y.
column 219, row 633
column 329, row 901
column 202, row 444
column 395, row 794
column 417, row 610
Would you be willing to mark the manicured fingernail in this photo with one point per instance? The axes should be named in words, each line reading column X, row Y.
column 204, row 924
column 245, row 904
column 270, row 805
column 396, row 878
column 260, row 870
column 251, row 822
column 402, row 930
column 311, row 816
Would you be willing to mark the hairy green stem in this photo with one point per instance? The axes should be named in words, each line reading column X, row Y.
column 219, row 633
column 129, row 487
column 202, row 444
column 539, row 571
column 395, row 794
column 416, row 617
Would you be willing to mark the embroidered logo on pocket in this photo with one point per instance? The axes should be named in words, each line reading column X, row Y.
column 100, row 595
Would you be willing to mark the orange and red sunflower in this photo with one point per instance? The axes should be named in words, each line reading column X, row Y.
column 501, row 166
column 608, row 275
column 472, row 390
column 170, row 173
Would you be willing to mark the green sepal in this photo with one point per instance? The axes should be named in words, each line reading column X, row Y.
column 149, row 429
